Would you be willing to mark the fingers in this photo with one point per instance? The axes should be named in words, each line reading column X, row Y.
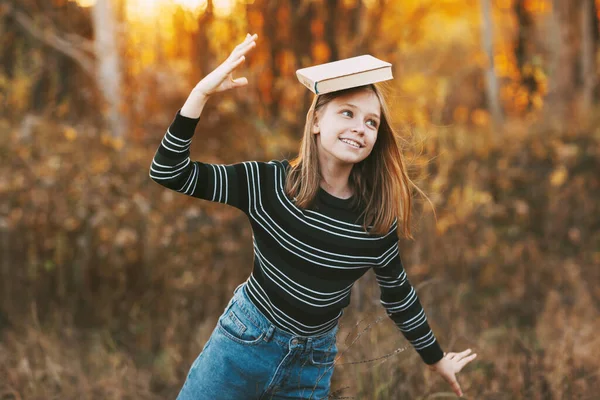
column 222, row 77
column 250, row 37
column 464, row 353
column 237, row 63
column 238, row 55
column 451, row 379
column 240, row 82
column 458, row 356
column 242, row 48
column 465, row 360
column 459, row 360
column 455, row 386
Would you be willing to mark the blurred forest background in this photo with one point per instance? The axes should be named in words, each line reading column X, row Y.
column 110, row 284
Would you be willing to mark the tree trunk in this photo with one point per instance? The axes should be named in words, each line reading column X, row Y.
column 491, row 80
column 8, row 46
column 524, row 25
column 272, row 27
column 331, row 29
column 357, row 30
column 108, row 67
column 522, row 46
column 588, row 55
column 301, row 17
column 201, row 53
column 558, row 104
column 5, row 243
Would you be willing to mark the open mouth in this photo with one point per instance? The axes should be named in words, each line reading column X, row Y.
column 352, row 143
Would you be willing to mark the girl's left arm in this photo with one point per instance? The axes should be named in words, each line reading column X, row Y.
column 402, row 304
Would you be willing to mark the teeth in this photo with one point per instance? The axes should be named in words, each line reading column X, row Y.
column 351, row 142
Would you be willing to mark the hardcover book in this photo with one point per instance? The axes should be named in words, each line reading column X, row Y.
column 344, row 74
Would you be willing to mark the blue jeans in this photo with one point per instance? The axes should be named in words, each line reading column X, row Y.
column 247, row 357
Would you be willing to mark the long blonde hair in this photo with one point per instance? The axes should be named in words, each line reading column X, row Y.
column 382, row 188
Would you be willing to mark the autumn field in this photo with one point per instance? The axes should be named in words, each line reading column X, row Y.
column 110, row 284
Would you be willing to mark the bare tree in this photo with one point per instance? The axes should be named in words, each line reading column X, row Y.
column 201, row 52
column 275, row 28
column 108, row 68
column 75, row 47
column 588, row 54
column 301, row 17
column 331, row 29
column 523, row 46
column 491, row 79
column 561, row 90
column 99, row 58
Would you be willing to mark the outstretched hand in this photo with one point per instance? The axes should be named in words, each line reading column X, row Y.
column 450, row 365
column 221, row 78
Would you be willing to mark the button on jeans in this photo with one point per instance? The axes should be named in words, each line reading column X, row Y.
column 247, row 357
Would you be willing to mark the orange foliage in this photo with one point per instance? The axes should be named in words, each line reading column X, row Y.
column 111, row 284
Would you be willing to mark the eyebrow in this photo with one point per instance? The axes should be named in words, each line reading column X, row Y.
column 355, row 106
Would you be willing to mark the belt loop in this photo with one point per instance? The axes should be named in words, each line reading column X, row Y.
column 238, row 287
column 269, row 333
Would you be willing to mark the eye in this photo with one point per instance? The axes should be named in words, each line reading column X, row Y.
column 348, row 113
column 374, row 123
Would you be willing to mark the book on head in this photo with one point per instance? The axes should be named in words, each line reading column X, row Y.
column 344, row 74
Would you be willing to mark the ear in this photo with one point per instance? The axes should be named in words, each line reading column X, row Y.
column 315, row 127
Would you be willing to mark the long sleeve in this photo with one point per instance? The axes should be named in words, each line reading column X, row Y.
column 402, row 305
column 172, row 168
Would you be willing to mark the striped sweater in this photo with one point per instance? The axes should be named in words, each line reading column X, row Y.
column 305, row 260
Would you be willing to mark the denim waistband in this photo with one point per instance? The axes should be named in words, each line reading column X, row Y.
column 273, row 332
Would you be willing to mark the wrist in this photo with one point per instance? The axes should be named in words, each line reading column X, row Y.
column 199, row 93
column 192, row 108
column 434, row 366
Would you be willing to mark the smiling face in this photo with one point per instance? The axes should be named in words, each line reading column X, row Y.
column 346, row 127
column 377, row 175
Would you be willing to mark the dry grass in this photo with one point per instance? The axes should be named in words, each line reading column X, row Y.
column 92, row 306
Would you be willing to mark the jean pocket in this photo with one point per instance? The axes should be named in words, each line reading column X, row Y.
column 324, row 355
column 237, row 326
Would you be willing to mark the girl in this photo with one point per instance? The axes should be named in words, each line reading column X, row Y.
column 319, row 223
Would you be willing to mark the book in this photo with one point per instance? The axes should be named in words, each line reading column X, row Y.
column 344, row 74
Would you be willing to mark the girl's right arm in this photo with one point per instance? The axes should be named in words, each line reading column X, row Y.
column 172, row 167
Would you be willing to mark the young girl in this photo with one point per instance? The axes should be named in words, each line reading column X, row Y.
column 319, row 223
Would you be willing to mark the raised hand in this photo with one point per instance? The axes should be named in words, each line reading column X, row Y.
column 221, row 78
column 451, row 365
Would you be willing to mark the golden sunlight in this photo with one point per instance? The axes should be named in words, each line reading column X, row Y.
column 142, row 9
column 197, row 7
column 85, row 3
column 223, row 7
column 191, row 4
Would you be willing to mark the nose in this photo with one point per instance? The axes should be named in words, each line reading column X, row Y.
column 359, row 128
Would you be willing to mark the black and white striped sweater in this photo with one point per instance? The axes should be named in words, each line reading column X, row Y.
column 305, row 260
